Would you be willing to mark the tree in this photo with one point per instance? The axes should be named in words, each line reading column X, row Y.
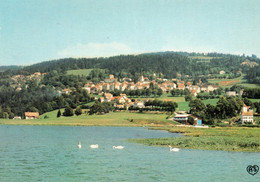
column 78, row 111
column 32, row 109
column 257, row 106
column 210, row 111
column 248, row 102
column 188, row 98
column 97, row 107
column 174, row 92
column 160, row 92
column 68, row 111
column 58, row 114
column 190, row 120
column 228, row 107
column 148, row 92
column 5, row 115
column 197, row 107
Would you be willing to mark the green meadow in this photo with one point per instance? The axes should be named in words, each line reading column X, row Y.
column 225, row 83
column 110, row 119
column 184, row 106
column 81, row 72
column 237, row 139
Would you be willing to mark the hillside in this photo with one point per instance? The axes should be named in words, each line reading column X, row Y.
column 167, row 64
column 51, row 85
column 12, row 67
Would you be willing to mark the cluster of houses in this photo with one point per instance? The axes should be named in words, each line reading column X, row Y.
column 112, row 83
column 121, row 101
column 22, row 79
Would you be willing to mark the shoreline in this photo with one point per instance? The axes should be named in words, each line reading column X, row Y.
column 232, row 139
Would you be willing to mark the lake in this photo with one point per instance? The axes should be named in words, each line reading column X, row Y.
column 50, row 153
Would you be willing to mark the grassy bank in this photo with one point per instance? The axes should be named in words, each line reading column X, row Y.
column 226, row 139
column 110, row 119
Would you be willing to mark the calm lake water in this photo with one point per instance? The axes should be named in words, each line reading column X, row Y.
column 50, row 153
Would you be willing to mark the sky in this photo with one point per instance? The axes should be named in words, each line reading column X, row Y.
column 33, row 31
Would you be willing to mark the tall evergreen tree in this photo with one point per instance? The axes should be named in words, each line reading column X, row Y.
column 58, row 114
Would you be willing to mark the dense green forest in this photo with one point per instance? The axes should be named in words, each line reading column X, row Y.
column 13, row 67
column 167, row 65
column 253, row 75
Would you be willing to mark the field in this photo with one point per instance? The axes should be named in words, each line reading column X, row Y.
column 110, row 119
column 81, row 72
column 226, row 82
column 226, row 138
column 184, row 106
column 164, row 97
column 230, row 82
column 249, row 85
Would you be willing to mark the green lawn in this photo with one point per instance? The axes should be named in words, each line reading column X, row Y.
column 227, row 138
column 81, row 72
column 184, row 106
column 210, row 101
column 111, row 119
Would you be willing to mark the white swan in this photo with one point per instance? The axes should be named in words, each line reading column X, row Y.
column 118, row 147
column 174, row 149
column 94, row 146
column 79, row 145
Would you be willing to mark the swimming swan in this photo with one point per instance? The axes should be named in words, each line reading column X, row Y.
column 174, row 149
column 79, row 145
column 118, row 147
column 94, row 146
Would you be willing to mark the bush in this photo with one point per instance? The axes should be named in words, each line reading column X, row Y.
column 78, row 111
column 68, row 111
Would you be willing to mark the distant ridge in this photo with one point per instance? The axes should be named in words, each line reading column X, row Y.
column 167, row 64
column 11, row 67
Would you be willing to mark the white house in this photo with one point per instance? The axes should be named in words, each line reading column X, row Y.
column 139, row 104
column 247, row 115
column 231, row 93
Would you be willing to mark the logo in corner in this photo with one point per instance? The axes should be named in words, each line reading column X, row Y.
column 252, row 169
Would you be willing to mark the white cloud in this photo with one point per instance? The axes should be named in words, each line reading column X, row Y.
column 95, row 50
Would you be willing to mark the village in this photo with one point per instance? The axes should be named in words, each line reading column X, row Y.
column 122, row 101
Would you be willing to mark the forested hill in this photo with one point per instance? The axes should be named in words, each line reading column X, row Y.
column 167, row 63
column 13, row 67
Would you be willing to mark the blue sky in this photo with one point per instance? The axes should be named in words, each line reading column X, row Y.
column 33, row 31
